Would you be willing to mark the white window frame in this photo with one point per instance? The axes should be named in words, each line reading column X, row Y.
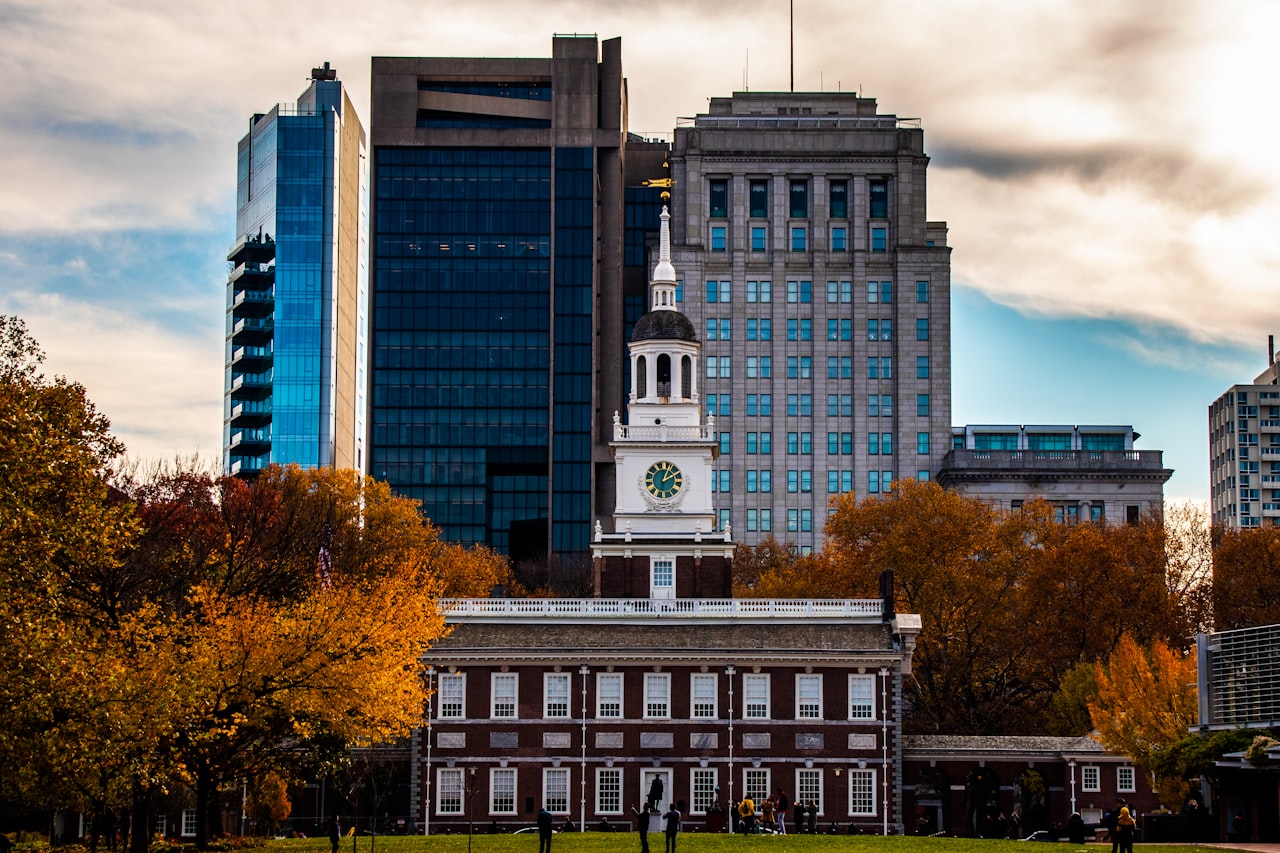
column 551, row 783
column 667, row 567
column 452, row 692
column 703, row 782
column 188, row 823
column 1090, row 779
column 757, row 782
column 601, row 679
column 1127, row 785
column 513, row 678
column 757, row 679
column 559, row 709
column 603, row 806
column 862, row 781
column 862, row 697
column 452, row 787
column 698, row 704
column 806, row 708
column 806, row 780
column 496, row 773
column 657, row 700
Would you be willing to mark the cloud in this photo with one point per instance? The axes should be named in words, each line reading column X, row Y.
column 161, row 388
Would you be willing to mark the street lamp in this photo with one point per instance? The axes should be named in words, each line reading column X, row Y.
column 470, row 791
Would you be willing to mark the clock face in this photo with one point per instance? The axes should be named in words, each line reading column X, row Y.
column 663, row 480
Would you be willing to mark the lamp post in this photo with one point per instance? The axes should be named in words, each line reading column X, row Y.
column 732, row 805
column 584, row 671
column 470, row 791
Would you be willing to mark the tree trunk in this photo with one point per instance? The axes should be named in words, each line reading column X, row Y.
column 140, row 821
column 206, row 790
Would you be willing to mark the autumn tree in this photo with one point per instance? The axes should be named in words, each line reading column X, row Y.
column 58, row 520
column 773, row 570
column 1246, row 577
column 1146, row 702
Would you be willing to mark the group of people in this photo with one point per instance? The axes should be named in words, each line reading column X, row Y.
column 670, row 825
column 771, row 815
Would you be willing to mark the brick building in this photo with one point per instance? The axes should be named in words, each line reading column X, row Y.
column 663, row 681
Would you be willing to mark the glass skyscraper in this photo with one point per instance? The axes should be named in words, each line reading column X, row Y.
column 497, row 270
column 297, row 293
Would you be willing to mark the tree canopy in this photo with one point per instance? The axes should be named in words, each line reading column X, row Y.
column 183, row 628
column 1011, row 602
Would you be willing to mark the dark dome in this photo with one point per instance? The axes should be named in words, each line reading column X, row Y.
column 663, row 326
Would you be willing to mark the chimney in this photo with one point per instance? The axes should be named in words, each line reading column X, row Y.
column 1271, row 350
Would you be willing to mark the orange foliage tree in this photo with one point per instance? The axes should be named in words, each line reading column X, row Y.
column 1146, row 702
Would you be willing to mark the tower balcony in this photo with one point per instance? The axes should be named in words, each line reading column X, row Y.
column 253, row 248
column 251, row 385
column 253, row 303
column 251, row 441
column 243, row 465
column 252, row 330
column 247, row 413
column 252, row 275
column 252, row 358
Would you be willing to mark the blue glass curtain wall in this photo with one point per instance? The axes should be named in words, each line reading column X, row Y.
column 462, row 337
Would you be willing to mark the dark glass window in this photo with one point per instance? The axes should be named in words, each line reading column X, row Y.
column 839, row 199
column 759, row 199
column 799, row 199
column 719, row 198
column 879, row 193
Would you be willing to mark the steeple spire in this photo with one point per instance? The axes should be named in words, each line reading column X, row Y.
column 663, row 284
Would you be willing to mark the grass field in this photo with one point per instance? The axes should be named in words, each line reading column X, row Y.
column 604, row 842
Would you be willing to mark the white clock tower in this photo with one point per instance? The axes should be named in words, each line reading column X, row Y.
column 664, row 543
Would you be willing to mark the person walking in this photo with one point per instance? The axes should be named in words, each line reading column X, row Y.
column 642, row 826
column 672, row 827
column 1125, row 828
column 335, row 834
column 747, row 815
column 546, row 828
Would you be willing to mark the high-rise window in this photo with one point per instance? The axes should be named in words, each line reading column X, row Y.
column 878, row 195
column 759, row 238
column 879, row 239
column 719, row 198
column 758, row 192
column 839, row 199
column 719, row 238
column 799, row 199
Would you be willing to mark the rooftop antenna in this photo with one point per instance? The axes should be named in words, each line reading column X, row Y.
column 746, row 72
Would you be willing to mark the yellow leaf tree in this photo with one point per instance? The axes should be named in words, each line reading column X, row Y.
column 1146, row 701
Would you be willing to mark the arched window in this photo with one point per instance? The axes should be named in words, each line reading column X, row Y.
column 664, row 375
column 642, row 377
column 686, row 377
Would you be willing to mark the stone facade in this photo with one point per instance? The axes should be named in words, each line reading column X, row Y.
column 1089, row 473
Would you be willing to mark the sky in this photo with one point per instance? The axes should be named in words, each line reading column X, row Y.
column 1106, row 170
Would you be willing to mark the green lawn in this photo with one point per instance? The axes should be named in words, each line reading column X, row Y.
column 620, row 842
